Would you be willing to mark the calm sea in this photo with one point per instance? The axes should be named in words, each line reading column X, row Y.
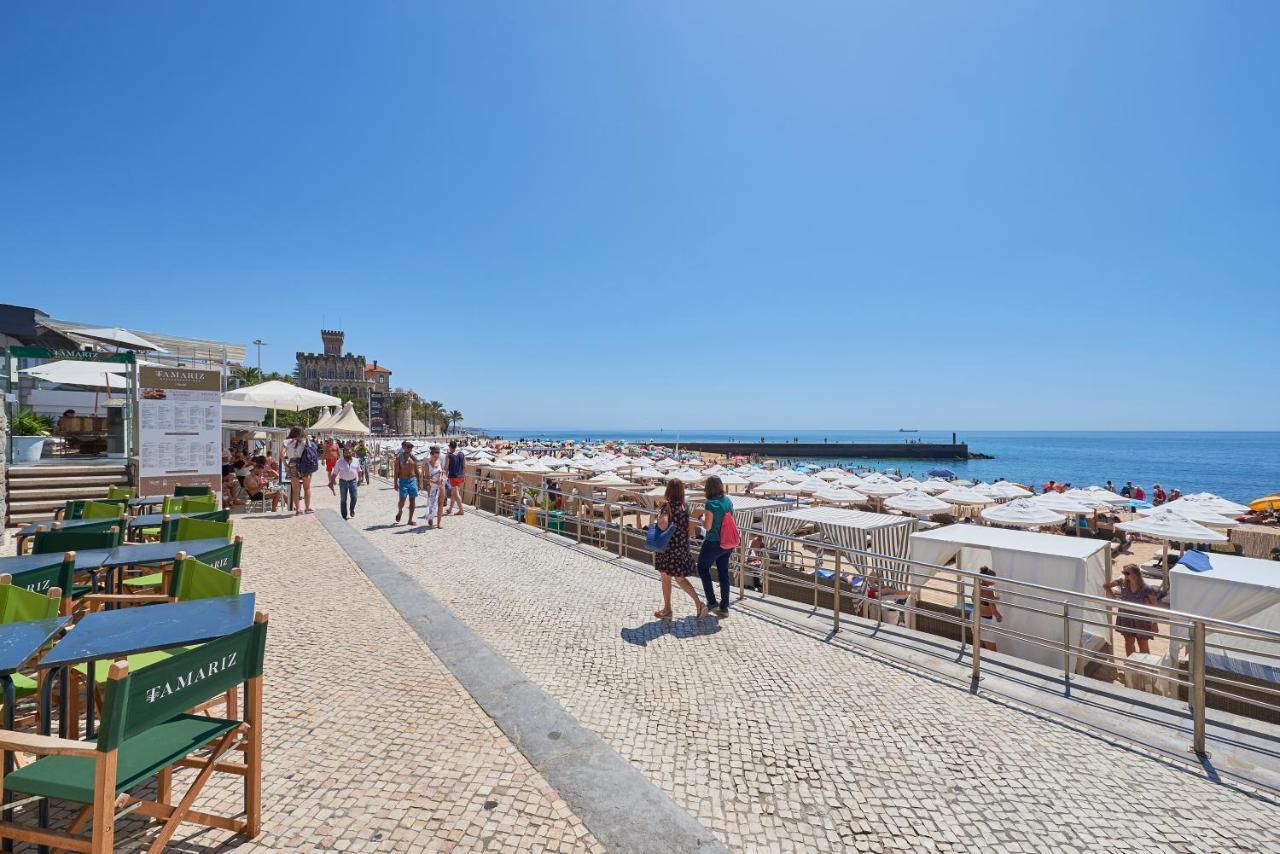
column 1239, row 466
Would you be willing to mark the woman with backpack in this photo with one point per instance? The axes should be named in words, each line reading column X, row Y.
column 721, row 540
column 675, row 562
column 302, row 460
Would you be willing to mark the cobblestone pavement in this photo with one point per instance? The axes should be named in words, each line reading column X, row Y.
column 777, row 742
column 370, row 743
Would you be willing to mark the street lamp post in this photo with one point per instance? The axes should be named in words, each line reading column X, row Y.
column 260, row 344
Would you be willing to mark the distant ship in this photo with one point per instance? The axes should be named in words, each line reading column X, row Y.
column 905, row 430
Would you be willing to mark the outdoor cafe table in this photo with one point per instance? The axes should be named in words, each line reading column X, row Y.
column 131, row 554
column 86, row 559
column 143, row 628
column 142, row 502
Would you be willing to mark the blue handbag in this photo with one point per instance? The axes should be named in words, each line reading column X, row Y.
column 656, row 539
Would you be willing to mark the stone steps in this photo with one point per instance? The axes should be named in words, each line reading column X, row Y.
column 34, row 492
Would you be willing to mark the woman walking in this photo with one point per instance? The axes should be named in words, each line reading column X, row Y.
column 296, row 447
column 713, row 512
column 435, row 487
column 676, row 563
column 1136, row 628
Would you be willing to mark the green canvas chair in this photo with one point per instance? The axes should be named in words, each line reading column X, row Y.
column 146, row 732
column 58, row 573
column 169, row 505
column 125, row 492
column 75, row 539
column 169, row 528
column 20, row 605
column 74, row 508
column 102, row 510
column 199, row 504
column 225, row 558
column 204, row 489
column 190, row 528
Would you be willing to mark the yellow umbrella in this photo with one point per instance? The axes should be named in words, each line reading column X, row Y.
column 1269, row 502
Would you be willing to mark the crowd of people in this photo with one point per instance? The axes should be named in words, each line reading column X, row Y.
column 440, row 479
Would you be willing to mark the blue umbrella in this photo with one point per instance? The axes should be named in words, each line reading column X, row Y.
column 941, row 473
column 1134, row 504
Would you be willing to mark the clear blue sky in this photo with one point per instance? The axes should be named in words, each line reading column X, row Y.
column 947, row 215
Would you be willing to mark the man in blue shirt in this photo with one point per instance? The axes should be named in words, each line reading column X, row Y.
column 456, row 473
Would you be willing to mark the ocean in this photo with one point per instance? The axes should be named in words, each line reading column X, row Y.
column 1237, row 465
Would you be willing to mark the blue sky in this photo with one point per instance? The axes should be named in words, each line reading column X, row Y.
column 1004, row 215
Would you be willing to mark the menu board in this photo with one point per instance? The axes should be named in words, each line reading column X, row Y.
column 179, row 429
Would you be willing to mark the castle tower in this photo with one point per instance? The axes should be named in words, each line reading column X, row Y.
column 332, row 339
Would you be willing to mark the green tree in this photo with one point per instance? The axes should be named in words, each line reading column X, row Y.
column 435, row 413
column 359, row 404
column 248, row 376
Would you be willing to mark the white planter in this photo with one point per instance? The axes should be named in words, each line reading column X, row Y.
column 27, row 449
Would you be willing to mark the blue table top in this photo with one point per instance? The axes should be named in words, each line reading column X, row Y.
column 125, row 631
column 147, row 499
column 85, row 559
column 152, row 552
column 63, row 525
column 20, row 641
column 155, row 520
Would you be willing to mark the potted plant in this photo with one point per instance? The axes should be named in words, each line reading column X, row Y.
column 29, row 430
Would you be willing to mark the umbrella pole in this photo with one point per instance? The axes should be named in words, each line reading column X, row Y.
column 1166, row 564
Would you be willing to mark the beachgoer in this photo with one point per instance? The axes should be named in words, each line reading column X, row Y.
column 295, row 446
column 1175, row 494
column 1110, row 487
column 408, row 479
column 258, row 484
column 1136, row 628
column 1047, row 487
column 457, row 474
column 361, row 452
column 1157, row 495
column 1139, row 494
column 347, row 471
column 435, row 485
column 233, row 494
column 676, row 563
column 331, row 453
column 990, row 610
column 716, row 506
column 1127, row 489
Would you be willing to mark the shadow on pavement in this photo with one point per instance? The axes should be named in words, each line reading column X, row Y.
column 682, row 629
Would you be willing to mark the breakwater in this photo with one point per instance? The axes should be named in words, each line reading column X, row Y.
column 836, row 450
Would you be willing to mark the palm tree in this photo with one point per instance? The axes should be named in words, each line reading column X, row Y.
column 455, row 418
column 435, row 411
column 248, row 376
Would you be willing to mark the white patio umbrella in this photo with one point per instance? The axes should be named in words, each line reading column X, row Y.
column 933, row 486
column 610, row 479
column 1022, row 513
column 535, row 466
column 1004, row 489
column 647, row 473
column 666, row 464
column 1211, row 502
column 964, row 495
column 1199, row 515
column 876, row 477
column 1102, row 494
column 793, row 476
column 108, row 375
column 875, row 489
column 850, row 481
column 762, row 477
column 731, row 479
column 1061, row 503
column 830, row 474
column 917, row 502
column 274, row 394
column 499, row 463
column 1091, row 498
column 117, row 337
column 840, row 495
column 811, row 485
column 775, row 487
column 1172, row 528
column 686, row 475
column 909, row 483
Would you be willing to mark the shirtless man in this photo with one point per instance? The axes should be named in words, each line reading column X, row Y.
column 408, row 480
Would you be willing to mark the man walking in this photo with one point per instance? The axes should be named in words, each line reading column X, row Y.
column 457, row 475
column 408, row 479
column 347, row 471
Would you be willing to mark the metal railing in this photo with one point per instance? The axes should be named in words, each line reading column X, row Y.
column 876, row 585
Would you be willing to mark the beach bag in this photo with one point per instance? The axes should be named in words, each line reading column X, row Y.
column 308, row 460
column 729, row 536
column 655, row 539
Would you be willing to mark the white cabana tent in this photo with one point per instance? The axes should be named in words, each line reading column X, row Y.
column 1238, row 590
column 347, row 422
column 876, row 532
column 1069, row 563
column 1022, row 513
column 324, row 418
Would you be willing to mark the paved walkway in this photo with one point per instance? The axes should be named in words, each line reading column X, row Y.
column 777, row 742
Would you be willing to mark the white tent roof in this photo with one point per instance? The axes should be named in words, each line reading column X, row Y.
column 1238, row 590
column 1022, row 513
column 1209, row 501
column 347, row 422
column 275, row 394
column 324, row 419
column 118, row 337
column 964, row 495
column 1195, row 513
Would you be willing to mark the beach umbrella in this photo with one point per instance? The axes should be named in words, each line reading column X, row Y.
column 850, row 481
column 963, row 495
column 917, row 502
column 876, row 489
column 762, row 476
column 499, row 463
column 1209, row 501
column 839, row 495
column 1265, row 503
column 933, row 486
column 685, row 474
column 666, row 464
column 876, row 477
column 1101, row 494
column 810, row 486
column 1195, row 514
column 909, row 483
column 1061, row 503
column 274, row 394
column 647, row 473
column 775, row 487
column 944, row 473
column 1022, row 513
column 535, row 466
column 731, row 479
column 106, row 375
column 117, row 337
column 1004, row 489
column 830, row 474
column 609, row 479
column 1172, row 528
column 792, row 476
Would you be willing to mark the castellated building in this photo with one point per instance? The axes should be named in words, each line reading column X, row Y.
column 343, row 374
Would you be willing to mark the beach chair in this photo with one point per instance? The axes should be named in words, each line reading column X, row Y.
column 146, row 732
column 181, row 491
column 199, row 504
column 192, row 528
column 102, row 510
column 74, row 508
column 75, row 539
column 59, row 573
column 125, row 492
column 225, row 558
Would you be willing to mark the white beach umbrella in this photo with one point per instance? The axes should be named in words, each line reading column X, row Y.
column 107, row 375
column 609, row 479
column 1172, row 527
column 685, row 474
column 1022, row 513
column 666, row 464
column 964, row 495
column 274, row 394
column 1004, row 489
column 876, row 477
column 963, row 484
column 917, row 502
column 933, row 486
column 1102, row 494
column 809, row 486
column 877, row 489
column 840, row 495
column 731, row 479
column 762, row 476
column 830, row 474
column 775, row 487
column 850, row 481
column 1193, row 513
column 1061, row 503
column 909, row 483
column 1089, row 498
column 1211, row 502
column 647, row 473
column 792, row 476
column 535, row 466
column 499, row 463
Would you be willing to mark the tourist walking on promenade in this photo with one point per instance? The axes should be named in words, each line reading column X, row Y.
column 676, row 562
column 1136, row 628
column 362, row 454
column 302, row 461
column 347, row 472
column 435, row 487
column 713, row 513
column 330, row 459
column 408, row 479
column 457, row 476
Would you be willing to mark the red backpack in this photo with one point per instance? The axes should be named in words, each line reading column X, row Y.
column 729, row 536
